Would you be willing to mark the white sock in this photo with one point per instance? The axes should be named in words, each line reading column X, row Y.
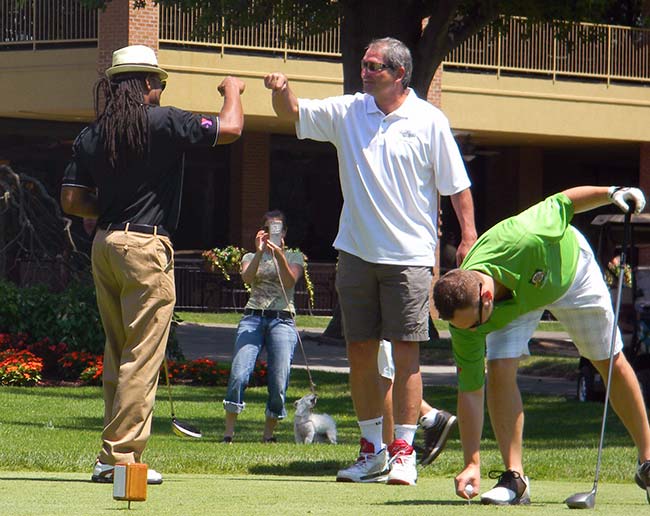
column 406, row 432
column 427, row 420
column 371, row 430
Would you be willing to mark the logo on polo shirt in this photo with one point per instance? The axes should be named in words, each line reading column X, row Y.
column 539, row 278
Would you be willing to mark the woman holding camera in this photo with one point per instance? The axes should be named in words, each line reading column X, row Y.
column 268, row 322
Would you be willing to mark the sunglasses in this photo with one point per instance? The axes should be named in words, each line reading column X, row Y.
column 480, row 310
column 480, row 307
column 374, row 67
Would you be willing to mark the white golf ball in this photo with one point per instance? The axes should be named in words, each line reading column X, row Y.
column 469, row 489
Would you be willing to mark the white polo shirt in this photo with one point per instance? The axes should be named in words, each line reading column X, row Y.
column 390, row 168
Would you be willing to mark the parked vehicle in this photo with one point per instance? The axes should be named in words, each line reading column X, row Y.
column 634, row 318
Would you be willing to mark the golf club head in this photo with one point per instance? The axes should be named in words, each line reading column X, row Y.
column 183, row 429
column 582, row 500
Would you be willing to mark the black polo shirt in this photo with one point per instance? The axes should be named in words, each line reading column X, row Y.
column 146, row 190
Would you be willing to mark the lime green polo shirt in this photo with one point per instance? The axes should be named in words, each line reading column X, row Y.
column 534, row 255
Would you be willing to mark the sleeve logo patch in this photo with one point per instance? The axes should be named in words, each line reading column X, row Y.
column 539, row 278
column 206, row 123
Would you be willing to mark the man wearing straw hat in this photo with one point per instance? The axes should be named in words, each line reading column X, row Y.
column 126, row 171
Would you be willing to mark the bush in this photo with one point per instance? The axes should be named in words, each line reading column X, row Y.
column 204, row 371
column 20, row 368
column 69, row 317
column 75, row 364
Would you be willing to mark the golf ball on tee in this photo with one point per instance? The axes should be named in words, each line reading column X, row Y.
column 469, row 489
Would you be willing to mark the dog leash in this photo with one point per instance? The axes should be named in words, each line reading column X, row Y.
column 312, row 385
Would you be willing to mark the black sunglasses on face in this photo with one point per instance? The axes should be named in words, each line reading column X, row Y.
column 480, row 307
column 374, row 67
column 480, row 310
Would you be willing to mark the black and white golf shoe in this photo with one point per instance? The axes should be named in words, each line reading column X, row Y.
column 642, row 478
column 435, row 436
column 511, row 489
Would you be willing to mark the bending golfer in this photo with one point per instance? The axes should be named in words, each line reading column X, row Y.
column 518, row 268
column 127, row 172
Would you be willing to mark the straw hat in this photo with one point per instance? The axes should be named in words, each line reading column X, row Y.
column 135, row 58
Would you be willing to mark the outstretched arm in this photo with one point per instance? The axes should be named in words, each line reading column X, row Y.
column 464, row 207
column 470, row 424
column 285, row 103
column 231, row 116
column 585, row 198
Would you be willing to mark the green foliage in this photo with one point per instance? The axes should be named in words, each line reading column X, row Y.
column 70, row 316
column 224, row 260
column 20, row 368
column 204, row 371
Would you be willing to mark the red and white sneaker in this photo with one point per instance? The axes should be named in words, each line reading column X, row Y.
column 403, row 470
column 369, row 466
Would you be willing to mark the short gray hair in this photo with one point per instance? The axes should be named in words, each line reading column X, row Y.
column 395, row 54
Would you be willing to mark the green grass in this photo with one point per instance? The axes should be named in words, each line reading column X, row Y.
column 303, row 321
column 66, row 494
column 49, row 437
column 312, row 321
column 558, row 367
column 58, row 429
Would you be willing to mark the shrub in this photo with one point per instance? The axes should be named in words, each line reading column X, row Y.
column 70, row 316
column 71, row 365
column 204, row 371
column 92, row 375
column 67, row 320
column 20, row 368
column 44, row 349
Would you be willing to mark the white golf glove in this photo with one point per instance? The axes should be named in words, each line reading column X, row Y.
column 620, row 195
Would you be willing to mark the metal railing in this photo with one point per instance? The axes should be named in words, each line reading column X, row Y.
column 177, row 27
column 605, row 52
column 199, row 290
column 46, row 22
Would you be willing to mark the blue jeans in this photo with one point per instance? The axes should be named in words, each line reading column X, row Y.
column 255, row 332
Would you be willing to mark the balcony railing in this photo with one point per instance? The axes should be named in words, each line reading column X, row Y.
column 178, row 28
column 609, row 53
column 45, row 22
column 605, row 52
column 601, row 52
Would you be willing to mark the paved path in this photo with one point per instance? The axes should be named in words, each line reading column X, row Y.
column 216, row 341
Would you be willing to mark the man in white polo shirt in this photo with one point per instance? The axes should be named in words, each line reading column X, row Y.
column 395, row 152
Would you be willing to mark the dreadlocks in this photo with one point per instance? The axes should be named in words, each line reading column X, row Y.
column 122, row 121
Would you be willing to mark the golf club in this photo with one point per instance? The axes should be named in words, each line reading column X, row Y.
column 588, row 500
column 180, row 428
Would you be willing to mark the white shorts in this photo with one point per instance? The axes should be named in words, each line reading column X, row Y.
column 585, row 311
column 385, row 362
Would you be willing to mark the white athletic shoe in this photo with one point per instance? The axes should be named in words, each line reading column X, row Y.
column 402, row 464
column 103, row 473
column 510, row 489
column 369, row 466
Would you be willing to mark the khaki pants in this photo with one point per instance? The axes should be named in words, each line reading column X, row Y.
column 134, row 279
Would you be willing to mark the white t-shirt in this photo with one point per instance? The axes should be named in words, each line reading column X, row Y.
column 391, row 167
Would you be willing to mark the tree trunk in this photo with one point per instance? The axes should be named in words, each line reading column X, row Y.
column 365, row 20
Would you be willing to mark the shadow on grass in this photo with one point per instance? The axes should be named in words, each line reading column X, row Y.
column 46, row 479
column 297, row 468
column 428, row 502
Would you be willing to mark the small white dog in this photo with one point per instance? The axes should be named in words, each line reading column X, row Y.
column 309, row 427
